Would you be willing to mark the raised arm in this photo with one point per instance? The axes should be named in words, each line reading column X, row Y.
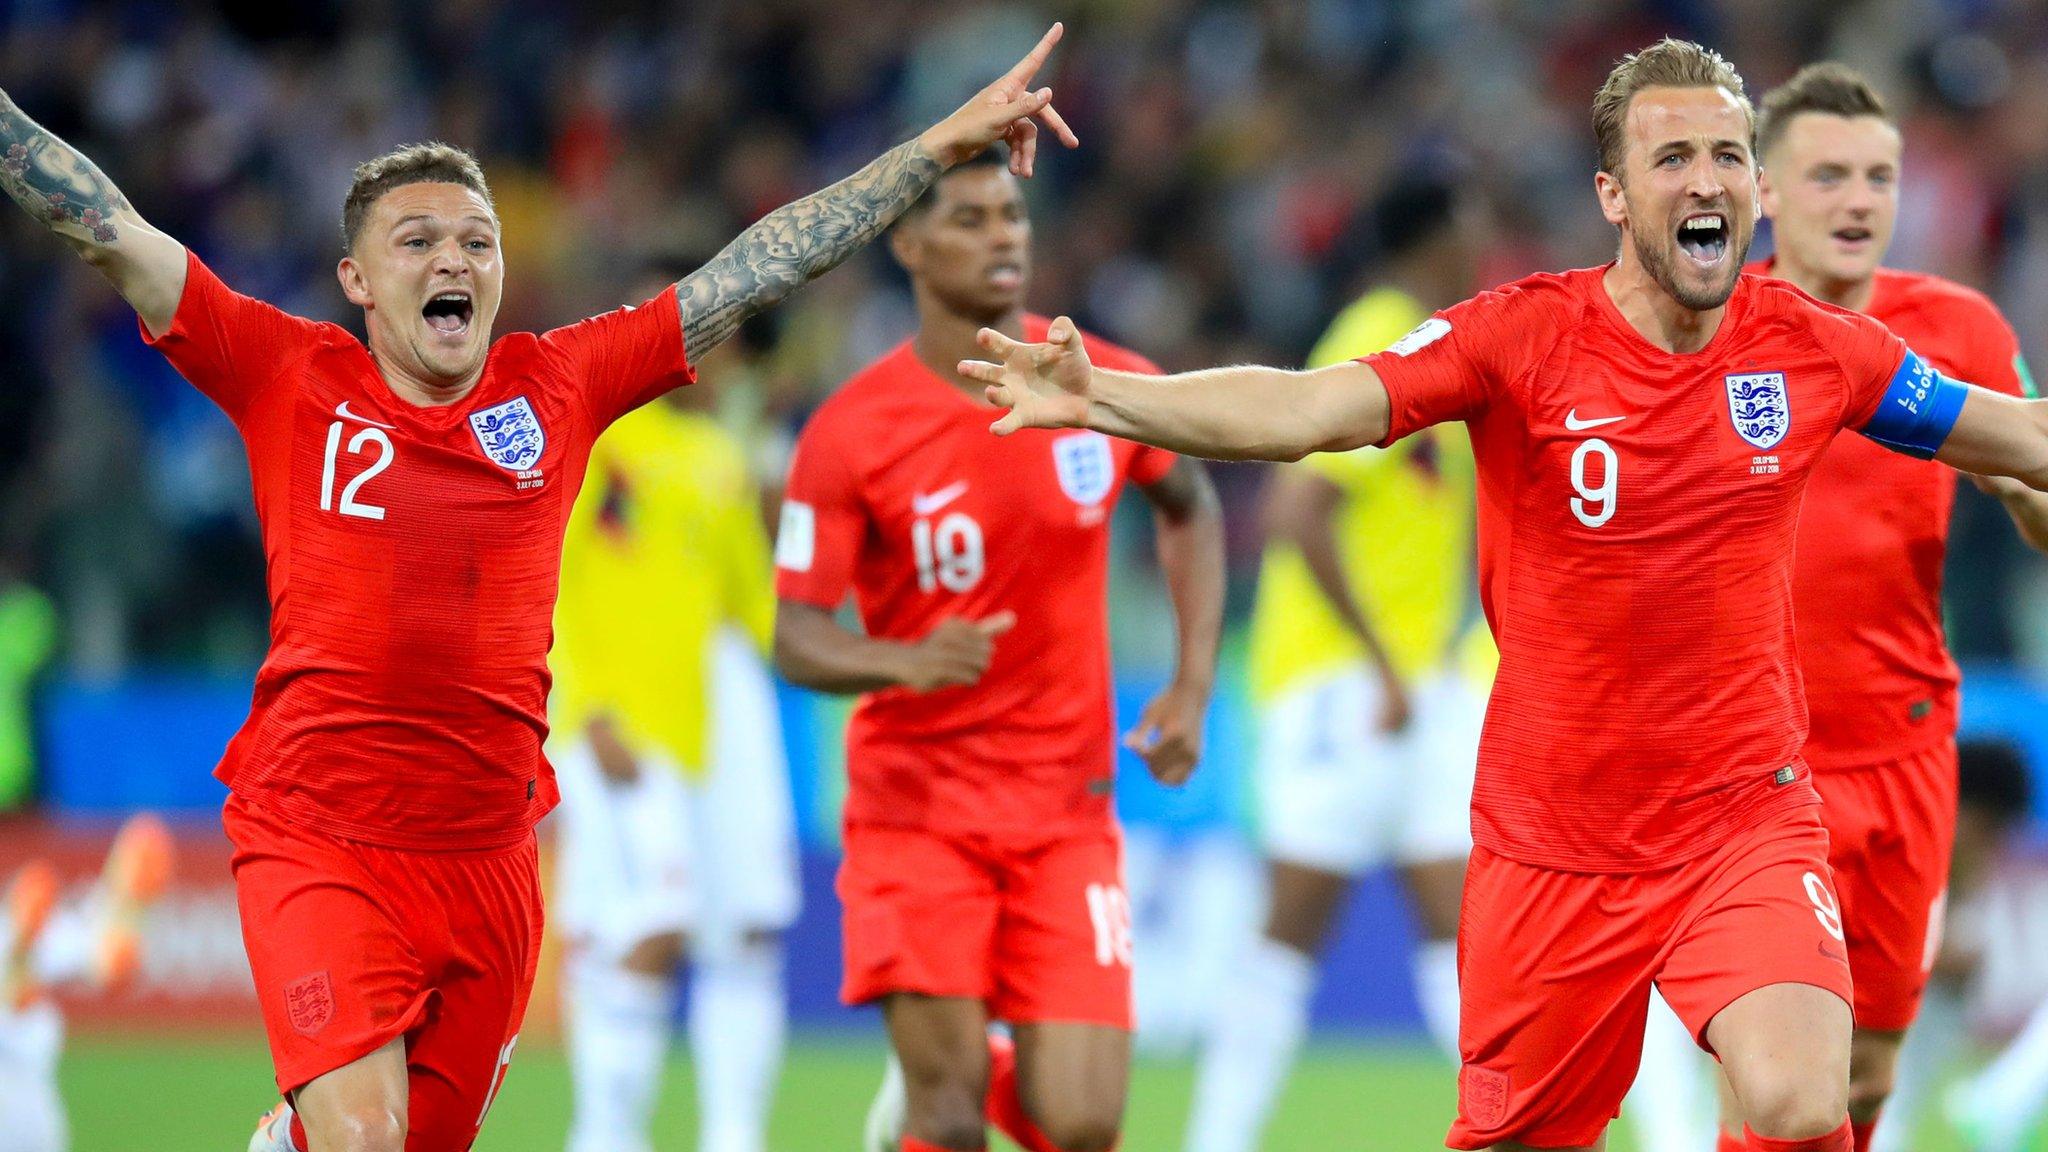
column 71, row 197
column 1240, row 413
column 800, row 242
column 1188, row 518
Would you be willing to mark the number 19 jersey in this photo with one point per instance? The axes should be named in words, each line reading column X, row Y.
column 900, row 494
column 1637, row 511
column 413, row 555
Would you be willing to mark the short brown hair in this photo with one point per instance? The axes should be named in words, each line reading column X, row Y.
column 1827, row 88
column 1668, row 63
column 430, row 163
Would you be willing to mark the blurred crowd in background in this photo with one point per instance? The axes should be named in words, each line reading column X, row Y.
column 1215, row 213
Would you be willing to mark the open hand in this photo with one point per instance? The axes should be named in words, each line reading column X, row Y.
column 1168, row 735
column 1008, row 110
column 956, row 653
column 1043, row 385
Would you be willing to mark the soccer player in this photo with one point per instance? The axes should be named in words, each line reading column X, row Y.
column 1368, row 725
column 1644, row 433
column 47, row 943
column 1880, row 684
column 983, row 874
column 412, row 495
column 676, row 816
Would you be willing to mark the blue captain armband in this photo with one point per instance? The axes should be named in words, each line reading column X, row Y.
column 1919, row 408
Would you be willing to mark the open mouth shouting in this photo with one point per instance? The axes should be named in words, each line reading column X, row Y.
column 1007, row 276
column 1854, row 237
column 448, row 313
column 1704, row 238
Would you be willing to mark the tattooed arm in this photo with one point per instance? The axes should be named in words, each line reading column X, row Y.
column 63, row 190
column 800, row 242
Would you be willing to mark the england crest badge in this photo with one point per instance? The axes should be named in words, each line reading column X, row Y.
column 510, row 434
column 1086, row 468
column 1760, row 407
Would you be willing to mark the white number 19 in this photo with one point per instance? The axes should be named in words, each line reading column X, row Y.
column 1594, row 506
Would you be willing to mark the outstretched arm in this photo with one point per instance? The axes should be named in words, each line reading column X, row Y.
column 800, row 242
column 71, row 197
column 1996, row 435
column 1239, row 413
column 1189, row 521
column 813, row 650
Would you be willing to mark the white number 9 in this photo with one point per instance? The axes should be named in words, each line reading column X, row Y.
column 1594, row 506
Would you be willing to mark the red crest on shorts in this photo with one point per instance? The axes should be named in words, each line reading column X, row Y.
column 309, row 1002
column 1483, row 1096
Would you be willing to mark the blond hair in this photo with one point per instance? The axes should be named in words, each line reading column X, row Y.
column 430, row 163
column 1668, row 63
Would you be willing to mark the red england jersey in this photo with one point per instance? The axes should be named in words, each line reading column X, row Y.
column 1880, row 684
column 1636, row 519
column 413, row 555
column 900, row 494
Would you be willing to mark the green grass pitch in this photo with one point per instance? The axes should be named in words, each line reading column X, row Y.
column 179, row 1095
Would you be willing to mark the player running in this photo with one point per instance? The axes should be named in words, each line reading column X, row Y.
column 675, row 823
column 983, row 875
column 49, row 944
column 1368, row 724
column 412, row 494
column 1880, row 685
column 1644, row 433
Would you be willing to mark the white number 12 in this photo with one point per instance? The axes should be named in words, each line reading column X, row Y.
column 349, row 505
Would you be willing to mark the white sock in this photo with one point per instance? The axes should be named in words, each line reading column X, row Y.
column 30, row 1041
column 1253, row 1037
column 2014, row 1086
column 1938, row 1034
column 1436, row 991
column 738, row 1017
column 1669, row 1108
column 618, row 1045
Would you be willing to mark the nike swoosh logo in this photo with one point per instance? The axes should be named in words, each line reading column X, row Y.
column 926, row 503
column 342, row 411
column 1572, row 423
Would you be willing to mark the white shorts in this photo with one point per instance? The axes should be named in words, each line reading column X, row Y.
column 1338, row 795
column 712, row 855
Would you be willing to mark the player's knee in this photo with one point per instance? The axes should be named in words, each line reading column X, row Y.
column 1869, row 1088
column 1796, row 1108
column 946, row 1106
column 1078, row 1131
column 362, row 1128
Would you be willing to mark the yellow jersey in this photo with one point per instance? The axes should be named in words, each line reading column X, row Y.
column 1404, row 536
column 665, row 548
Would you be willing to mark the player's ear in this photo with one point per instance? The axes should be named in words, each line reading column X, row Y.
column 353, row 284
column 1613, row 204
column 903, row 245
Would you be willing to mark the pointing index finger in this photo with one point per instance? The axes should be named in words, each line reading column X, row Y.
column 1021, row 75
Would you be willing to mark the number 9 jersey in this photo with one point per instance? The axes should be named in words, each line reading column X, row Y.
column 413, row 555
column 900, row 494
column 1637, row 512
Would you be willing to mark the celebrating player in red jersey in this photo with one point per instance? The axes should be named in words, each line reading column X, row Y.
column 412, row 496
column 1644, row 433
column 1880, row 685
column 983, row 875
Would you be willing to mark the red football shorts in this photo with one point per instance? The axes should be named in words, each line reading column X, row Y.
column 1891, row 828
column 353, row 945
column 1039, row 930
column 1555, row 969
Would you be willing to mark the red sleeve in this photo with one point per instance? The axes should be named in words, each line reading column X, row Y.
column 1869, row 354
column 1451, row 366
column 823, row 521
column 228, row 345
column 625, row 357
